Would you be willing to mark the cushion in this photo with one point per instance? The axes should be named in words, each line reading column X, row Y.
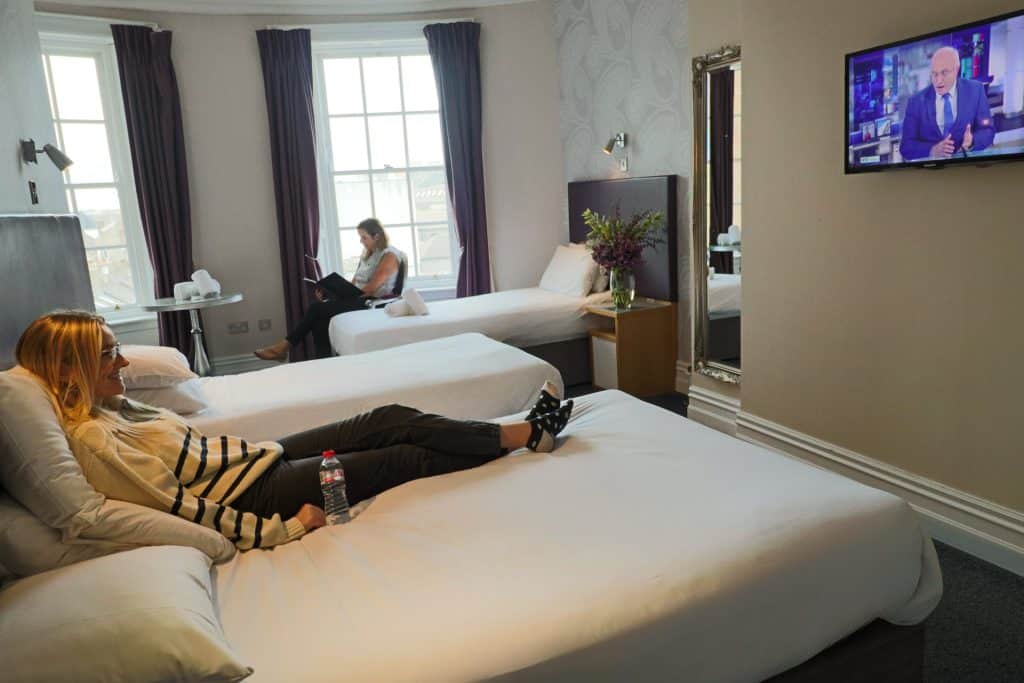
column 142, row 615
column 37, row 467
column 571, row 271
column 601, row 279
column 184, row 398
column 28, row 546
column 152, row 367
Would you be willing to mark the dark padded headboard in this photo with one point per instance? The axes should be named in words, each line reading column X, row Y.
column 658, row 276
column 42, row 258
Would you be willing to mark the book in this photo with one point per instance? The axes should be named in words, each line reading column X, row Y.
column 336, row 286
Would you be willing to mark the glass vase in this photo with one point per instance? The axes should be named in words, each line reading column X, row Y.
column 623, row 287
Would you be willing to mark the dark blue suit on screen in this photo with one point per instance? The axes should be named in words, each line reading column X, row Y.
column 921, row 130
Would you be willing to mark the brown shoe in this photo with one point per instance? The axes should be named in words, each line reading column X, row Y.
column 275, row 352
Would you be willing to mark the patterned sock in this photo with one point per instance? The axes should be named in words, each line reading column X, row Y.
column 546, row 402
column 544, row 428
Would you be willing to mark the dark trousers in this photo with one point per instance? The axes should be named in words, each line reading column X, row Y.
column 378, row 450
column 318, row 319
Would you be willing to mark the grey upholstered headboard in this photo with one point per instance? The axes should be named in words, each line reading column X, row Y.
column 42, row 259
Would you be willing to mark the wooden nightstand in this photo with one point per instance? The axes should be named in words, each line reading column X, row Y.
column 638, row 355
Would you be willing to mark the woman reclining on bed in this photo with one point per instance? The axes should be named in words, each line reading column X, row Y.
column 256, row 494
column 375, row 275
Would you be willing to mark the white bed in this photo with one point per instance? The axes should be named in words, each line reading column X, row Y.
column 465, row 376
column 725, row 293
column 647, row 547
column 519, row 317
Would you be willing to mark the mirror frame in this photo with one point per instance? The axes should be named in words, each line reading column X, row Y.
column 702, row 67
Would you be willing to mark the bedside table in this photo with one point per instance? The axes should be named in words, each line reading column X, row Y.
column 638, row 355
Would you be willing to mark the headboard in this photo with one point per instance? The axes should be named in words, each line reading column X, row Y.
column 42, row 258
column 658, row 276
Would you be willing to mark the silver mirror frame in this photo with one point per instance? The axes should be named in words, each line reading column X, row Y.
column 702, row 66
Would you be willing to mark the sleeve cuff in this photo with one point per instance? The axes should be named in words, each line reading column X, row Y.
column 294, row 528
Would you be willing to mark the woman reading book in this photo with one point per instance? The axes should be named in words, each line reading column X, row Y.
column 375, row 277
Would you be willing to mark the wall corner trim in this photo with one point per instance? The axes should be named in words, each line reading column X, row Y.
column 713, row 409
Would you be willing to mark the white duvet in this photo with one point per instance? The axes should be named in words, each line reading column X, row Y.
column 647, row 547
column 725, row 293
column 466, row 376
column 519, row 317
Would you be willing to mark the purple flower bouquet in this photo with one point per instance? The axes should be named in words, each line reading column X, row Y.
column 617, row 245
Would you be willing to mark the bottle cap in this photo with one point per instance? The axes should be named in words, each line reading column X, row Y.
column 327, row 454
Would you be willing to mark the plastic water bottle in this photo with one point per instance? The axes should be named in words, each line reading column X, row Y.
column 332, row 483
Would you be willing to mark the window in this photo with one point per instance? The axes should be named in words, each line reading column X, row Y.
column 380, row 154
column 89, row 124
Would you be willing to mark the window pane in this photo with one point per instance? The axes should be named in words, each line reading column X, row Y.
column 424, row 140
column 343, row 87
column 434, row 244
column 100, row 214
column 391, row 198
column 78, row 88
column 111, row 277
column 400, row 237
column 351, row 250
column 418, row 83
column 86, row 144
column 429, row 196
column 348, row 144
column 387, row 142
column 382, row 93
column 352, row 197
column 737, row 181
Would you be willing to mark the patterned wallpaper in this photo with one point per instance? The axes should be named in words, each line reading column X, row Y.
column 624, row 66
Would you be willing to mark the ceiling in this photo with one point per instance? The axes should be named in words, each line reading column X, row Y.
column 290, row 6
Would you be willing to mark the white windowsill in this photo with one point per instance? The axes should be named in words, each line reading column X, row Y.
column 141, row 322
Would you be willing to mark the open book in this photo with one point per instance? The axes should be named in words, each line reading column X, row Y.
column 335, row 285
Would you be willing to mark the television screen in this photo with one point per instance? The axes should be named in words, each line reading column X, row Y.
column 954, row 96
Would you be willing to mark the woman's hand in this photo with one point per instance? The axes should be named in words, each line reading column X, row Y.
column 311, row 517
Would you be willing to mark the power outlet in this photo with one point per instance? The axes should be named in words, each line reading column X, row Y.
column 240, row 327
column 264, row 324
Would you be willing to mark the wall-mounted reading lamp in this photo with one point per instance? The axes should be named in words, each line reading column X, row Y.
column 618, row 141
column 29, row 154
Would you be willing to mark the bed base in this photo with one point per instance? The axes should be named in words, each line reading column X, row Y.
column 571, row 358
column 723, row 337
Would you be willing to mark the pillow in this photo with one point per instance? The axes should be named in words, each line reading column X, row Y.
column 28, row 546
column 152, row 367
column 570, row 272
column 142, row 615
column 601, row 279
column 184, row 398
column 37, row 467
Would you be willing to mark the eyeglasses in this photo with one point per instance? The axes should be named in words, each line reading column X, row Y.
column 112, row 353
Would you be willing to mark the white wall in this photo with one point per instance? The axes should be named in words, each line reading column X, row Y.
column 24, row 113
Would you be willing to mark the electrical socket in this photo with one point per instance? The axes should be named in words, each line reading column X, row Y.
column 240, row 327
column 264, row 324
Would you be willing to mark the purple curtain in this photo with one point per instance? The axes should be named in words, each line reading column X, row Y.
column 155, row 134
column 288, row 83
column 721, row 163
column 455, row 54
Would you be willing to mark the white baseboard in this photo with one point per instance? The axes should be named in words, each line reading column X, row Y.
column 713, row 409
column 987, row 530
column 233, row 365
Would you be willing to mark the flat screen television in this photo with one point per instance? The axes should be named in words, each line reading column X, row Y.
column 951, row 97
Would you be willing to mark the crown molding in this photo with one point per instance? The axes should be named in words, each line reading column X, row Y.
column 295, row 7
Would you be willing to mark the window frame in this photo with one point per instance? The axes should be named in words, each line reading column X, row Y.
column 330, row 241
column 64, row 36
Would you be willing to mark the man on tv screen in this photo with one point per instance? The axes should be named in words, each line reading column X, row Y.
column 948, row 117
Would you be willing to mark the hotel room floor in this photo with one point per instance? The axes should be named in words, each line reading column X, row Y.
column 976, row 634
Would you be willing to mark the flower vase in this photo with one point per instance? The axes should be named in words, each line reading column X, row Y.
column 623, row 287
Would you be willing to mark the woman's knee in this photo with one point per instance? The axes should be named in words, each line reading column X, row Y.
column 394, row 413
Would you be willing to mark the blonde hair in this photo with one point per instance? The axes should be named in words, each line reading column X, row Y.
column 63, row 349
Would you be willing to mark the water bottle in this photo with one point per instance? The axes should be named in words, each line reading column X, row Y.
column 332, row 483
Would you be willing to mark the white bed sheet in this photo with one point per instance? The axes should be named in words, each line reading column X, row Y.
column 519, row 317
column 725, row 293
column 465, row 376
column 647, row 547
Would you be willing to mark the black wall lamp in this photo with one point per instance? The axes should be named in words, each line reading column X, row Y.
column 29, row 154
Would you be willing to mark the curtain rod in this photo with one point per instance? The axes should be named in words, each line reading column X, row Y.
column 104, row 20
column 407, row 22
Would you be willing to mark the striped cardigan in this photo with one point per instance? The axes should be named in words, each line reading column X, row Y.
column 165, row 463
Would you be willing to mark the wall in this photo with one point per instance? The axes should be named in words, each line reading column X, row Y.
column 881, row 311
column 24, row 113
column 624, row 67
column 224, row 112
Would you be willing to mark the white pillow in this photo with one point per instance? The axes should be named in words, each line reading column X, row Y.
column 143, row 615
column 184, row 398
column 152, row 367
column 601, row 279
column 571, row 271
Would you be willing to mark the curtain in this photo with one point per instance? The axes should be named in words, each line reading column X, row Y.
column 455, row 54
column 288, row 83
column 721, row 163
column 156, row 137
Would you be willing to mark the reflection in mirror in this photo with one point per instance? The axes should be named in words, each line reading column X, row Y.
column 718, row 210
